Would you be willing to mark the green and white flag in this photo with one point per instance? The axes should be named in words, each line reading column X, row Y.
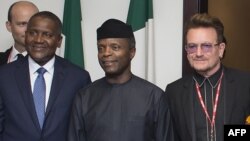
column 73, row 32
column 140, row 17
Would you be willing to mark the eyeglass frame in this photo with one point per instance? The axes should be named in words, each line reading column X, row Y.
column 205, row 47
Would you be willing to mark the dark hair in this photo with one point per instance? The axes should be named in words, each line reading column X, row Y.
column 205, row 20
column 48, row 15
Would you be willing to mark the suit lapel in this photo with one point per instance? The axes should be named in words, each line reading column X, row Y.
column 23, row 82
column 58, row 79
column 229, row 95
column 4, row 56
column 188, row 107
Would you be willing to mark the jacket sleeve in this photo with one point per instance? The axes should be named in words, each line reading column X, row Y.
column 76, row 130
column 1, row 118
column 164, row 126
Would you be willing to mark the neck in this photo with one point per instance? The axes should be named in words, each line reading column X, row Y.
column 118, row 79
column 19, row 48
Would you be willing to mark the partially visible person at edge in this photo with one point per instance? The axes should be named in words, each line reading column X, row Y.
column 119, row 106
column 19, row 14
column 214, row 95
column 36, row 93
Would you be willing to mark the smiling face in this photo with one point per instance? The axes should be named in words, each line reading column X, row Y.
column 205, row 63
column 115, row 55
column 42, row 39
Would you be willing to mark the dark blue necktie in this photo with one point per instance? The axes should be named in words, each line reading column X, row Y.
column 20, row 56
column 39, row 95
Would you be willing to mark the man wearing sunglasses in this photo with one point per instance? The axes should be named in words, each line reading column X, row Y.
column 214, row 95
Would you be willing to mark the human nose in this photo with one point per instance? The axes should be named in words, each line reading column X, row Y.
column 38, row 38
column 199, row 51
column 107, row 51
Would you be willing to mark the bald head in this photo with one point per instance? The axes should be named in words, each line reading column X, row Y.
column 18, row 17
column 22, row 7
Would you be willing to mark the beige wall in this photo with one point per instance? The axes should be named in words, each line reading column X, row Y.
column 235, row 14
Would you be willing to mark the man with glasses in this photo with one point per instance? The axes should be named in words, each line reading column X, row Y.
column 214, row 95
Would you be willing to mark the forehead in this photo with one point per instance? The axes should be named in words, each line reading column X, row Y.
column 23, row 10
column 41, row 22
column 202, row 34
column 123, row 41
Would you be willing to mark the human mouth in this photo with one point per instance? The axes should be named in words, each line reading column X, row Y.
column 199, row 59
column 108, row 63
column 38, row 47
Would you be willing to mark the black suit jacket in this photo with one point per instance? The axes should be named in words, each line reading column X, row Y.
column 4, row 56
column 236, row 88
column 18, row 119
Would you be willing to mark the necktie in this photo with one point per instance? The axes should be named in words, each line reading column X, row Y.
column 39, row 95
column 20, row 56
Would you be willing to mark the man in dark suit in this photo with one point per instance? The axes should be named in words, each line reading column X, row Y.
column 20, row 116
column 19, row 14
column 213, row 95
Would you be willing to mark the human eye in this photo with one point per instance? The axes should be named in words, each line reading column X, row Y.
column 100, row 48
column 47, row 34
column 22, row 24
column 31, row 32
column 115, row 47
column 191, row 46
column 206, row 45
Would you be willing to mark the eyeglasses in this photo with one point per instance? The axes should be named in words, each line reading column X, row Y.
column 205, row 47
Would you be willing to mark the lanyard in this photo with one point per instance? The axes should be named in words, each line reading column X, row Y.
column 212, row 121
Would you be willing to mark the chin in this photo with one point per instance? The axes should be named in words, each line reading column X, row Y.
column 108, row 69
column 111, row 72
column 36, row 57
column 108, row 72
column 200, row 68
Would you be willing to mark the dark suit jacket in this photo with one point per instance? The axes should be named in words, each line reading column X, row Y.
column 4, row 56
column 18, row 119
column 236, row 88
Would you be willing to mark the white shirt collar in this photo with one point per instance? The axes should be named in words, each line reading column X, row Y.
column 13, row 54
column 49, row 66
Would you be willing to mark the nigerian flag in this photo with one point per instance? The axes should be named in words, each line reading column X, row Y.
column 140, row 17
column 73, row 32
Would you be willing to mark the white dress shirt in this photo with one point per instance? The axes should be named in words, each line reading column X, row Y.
column 48, row 75
column 14, row 53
